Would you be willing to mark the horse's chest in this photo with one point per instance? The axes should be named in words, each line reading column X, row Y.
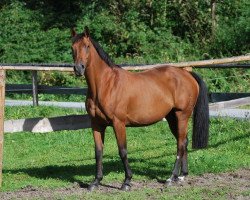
column 95, row 110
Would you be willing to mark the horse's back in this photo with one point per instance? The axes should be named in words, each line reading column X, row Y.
column 167, row 79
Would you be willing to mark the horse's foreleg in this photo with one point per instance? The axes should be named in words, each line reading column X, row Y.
column 98, row 133
column 120, row 132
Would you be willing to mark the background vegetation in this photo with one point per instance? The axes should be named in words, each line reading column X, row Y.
column 131, row 31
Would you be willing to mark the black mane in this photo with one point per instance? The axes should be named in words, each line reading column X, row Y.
column 104, row 56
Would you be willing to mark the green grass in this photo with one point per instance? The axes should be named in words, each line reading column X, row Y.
column 39, row 111
column 61, row 158
column 244, row 107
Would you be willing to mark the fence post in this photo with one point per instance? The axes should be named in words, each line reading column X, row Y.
column 34, row 88
column 2, row 102
column 188, row 69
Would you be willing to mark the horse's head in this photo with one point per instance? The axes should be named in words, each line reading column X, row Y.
column 80, row 50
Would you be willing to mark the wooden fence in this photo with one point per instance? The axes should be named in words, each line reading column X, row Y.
column 216, row 63
column 36, row 89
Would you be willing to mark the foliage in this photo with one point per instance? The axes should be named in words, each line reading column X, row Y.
column 23, row 41
column 226, row 80
column 132, row 31
column 235, row 33
column 163, row 31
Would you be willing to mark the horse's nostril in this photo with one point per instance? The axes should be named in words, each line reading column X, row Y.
column 79, row 69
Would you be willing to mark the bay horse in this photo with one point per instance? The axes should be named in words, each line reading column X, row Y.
column 120, row 98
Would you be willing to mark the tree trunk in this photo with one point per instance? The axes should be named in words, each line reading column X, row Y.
column 213, row 15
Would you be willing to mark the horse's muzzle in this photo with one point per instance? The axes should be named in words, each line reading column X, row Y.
column 79, row 69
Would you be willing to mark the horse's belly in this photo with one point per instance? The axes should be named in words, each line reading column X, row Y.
column 147, row 115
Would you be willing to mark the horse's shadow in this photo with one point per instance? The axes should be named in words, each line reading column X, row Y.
column 150, row 168
column 71, row 173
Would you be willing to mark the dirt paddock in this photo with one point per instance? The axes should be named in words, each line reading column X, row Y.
column 238, row 182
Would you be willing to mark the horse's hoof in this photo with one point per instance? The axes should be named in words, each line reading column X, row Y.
column 174, row 180
column 169, row 183
column 181, row 178
column 125, row 187
column 92, row 187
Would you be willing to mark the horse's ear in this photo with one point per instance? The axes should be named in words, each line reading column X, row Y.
column 86, row 31
column 73, row 32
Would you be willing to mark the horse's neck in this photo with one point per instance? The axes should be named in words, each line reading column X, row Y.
column 96, row 74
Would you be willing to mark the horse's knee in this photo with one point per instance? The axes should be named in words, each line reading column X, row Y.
column 98, row 153
column 123, row 153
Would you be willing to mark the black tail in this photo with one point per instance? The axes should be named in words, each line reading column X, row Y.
column 200, row 116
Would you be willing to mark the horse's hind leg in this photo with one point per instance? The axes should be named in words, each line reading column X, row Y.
column 178, row 123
